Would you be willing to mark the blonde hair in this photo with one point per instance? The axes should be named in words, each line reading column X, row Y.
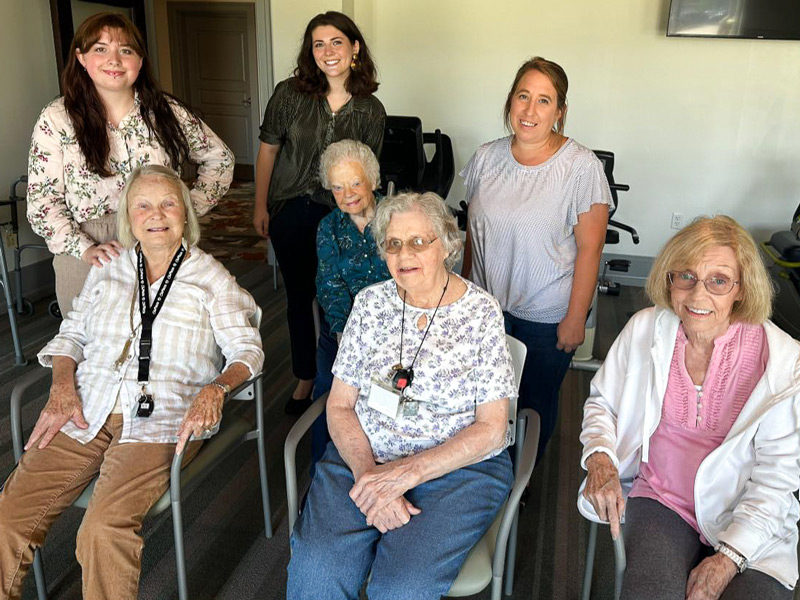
column 191, row 231
column 686, row 249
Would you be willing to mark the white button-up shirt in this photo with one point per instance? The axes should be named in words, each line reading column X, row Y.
column 207, row 321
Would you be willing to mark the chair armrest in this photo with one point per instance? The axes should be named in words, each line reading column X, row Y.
column 246, row 390
column 530, row 443
column 296, row 433
column 15, row 416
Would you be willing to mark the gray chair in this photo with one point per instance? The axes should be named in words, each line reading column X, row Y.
column 486, row 562
column 620, row 562
column 233, row 431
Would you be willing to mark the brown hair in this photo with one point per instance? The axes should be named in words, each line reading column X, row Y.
column 86, row 109
column 686, row 249
column 557, row 77
column 362, row 80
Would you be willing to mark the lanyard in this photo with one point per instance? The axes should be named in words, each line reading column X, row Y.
column 404, row 377
column 149, row 313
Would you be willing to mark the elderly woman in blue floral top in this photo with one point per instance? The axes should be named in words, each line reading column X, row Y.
column 348, row 257
column 417, row 468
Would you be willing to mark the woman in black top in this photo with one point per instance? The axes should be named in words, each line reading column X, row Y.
column 330, row 98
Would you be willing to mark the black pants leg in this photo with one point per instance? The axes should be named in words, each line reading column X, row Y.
column 293, row 232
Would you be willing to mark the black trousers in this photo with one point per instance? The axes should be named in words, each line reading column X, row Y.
column 662, row 549
column 293, row 232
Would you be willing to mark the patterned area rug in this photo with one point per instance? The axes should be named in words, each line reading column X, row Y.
column 227, row 230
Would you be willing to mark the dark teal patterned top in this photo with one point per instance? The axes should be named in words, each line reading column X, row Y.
column 348, row 262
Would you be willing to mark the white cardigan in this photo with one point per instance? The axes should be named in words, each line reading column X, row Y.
column 744, row 489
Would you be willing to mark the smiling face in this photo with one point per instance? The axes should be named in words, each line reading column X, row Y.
column 419, row 273
column 332, row 51
column 351, row 188
column 534, row 109
column 111, row 63
column 156, row 213
column 704, row 314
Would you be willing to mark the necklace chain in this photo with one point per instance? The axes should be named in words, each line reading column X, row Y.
column 427, row 329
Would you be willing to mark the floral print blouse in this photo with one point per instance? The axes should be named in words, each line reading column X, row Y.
column 348, row 262
column 464, row 362
column 63, row 192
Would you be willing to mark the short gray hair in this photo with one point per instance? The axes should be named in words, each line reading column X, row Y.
column 191, row 232
column 432, row 206
column 349, row 151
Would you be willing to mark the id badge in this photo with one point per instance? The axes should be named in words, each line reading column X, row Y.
column 383, row 398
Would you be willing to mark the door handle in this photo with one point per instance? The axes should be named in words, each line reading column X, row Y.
column 247, row 101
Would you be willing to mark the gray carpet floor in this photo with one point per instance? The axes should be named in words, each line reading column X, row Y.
column 228, row 556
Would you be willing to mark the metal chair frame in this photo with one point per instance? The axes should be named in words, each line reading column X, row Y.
column 493, row 558
column 233, row 432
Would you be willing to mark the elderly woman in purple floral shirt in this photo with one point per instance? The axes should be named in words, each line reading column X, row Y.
column 417, row 468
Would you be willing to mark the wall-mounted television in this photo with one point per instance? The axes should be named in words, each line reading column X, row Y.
column 751, row 19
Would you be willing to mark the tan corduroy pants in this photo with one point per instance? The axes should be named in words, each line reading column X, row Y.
column 71, row 272
column 132, row 477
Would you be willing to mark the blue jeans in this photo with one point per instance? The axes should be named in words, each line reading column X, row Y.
column 327, row 347
column 334, row 550
column 545, row 369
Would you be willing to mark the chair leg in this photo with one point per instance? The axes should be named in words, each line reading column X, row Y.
column 511, row 551
column 620, row 563
column 177, row 528
column 38, row 575
column 262, row 458
column 589, row 569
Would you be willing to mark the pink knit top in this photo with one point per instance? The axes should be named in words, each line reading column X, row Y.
column 696, row 419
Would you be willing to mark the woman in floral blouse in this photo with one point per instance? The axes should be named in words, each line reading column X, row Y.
column 111, row 119
column 348, row 257
column 417, row 468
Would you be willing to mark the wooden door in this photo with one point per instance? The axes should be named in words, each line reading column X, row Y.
column 213, row 51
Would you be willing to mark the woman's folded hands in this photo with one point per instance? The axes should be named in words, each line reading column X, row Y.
column 378, row 493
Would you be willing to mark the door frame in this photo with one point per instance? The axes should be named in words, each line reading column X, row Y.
column 179, row 80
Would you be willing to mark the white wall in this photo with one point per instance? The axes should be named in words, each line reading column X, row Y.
column 289, row 20
column 698, row 125
column 28, row 73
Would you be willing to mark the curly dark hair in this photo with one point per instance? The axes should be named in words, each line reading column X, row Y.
column 87, row 111
column 362, row 80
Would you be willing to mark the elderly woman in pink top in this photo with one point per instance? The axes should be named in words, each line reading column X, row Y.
column 691, row 429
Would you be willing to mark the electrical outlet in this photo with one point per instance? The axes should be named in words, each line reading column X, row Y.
column 677, row 220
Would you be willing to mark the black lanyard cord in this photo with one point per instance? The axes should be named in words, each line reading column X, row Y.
column 148, row 312
column 427, row 329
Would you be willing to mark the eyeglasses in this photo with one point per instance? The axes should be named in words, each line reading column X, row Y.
column 686, row 280
column 415, row 244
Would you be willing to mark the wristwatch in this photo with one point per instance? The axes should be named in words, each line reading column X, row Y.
column 226, row 389
column 739, row 560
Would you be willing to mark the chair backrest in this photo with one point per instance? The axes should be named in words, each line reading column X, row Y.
column 518, row 352
column 440, row 170
column 607, row 158
column 402, row 158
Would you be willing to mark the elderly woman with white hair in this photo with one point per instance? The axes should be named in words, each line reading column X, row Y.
column 348, row 258
column 137, row 371
column 417, row 467
column 692, row 429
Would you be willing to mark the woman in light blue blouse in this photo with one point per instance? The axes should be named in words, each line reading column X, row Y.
column 347, row 254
